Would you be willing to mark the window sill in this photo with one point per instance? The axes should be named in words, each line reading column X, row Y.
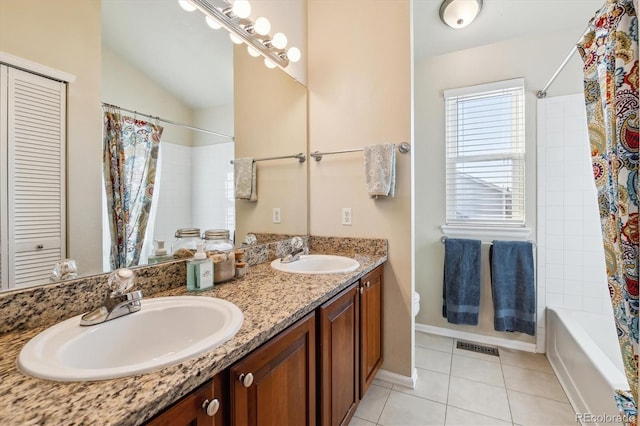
column 486, row 233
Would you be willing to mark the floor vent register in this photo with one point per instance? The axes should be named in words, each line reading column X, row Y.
column 474, row 347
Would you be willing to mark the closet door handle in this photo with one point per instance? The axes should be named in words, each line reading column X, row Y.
column 40, row 246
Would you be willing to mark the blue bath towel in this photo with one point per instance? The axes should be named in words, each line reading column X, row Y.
column 513, row 286
column 462, row 276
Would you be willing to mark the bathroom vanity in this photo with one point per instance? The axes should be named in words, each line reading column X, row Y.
column 309, row 347
column 299, row 377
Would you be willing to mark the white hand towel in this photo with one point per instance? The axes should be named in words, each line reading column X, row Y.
column 380, row 169
column 245, row 179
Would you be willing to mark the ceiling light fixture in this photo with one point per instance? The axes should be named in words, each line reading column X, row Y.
column 459, row 13
column 234, row 16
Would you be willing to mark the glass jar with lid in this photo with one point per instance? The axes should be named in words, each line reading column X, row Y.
column 186, row 242
column 221, row 250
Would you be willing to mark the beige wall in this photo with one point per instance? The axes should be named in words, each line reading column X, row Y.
column 65, row 35
column 534, row 58
column 129, row 88
column 360, row 94
column 270, row 120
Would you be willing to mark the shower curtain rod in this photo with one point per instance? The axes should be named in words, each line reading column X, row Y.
column 541, row 94
column 164, row 120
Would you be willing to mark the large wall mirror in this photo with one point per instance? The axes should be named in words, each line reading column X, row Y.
column 173, row 65
column 160, row 60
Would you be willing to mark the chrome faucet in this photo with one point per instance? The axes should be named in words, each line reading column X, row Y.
column 297, row 248
column 117, row 302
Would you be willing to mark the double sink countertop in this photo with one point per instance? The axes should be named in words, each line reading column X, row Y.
column 270, row 300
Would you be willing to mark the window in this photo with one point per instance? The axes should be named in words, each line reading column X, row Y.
column 485, row 154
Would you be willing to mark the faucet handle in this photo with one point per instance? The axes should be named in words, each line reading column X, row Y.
column 296, row 243
column 120, row 281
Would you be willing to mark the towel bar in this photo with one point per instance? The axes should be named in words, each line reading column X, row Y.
column 443, row 239
column 403, row 148
column 301, row 158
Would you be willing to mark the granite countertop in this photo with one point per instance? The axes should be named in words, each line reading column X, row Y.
column 270, row 300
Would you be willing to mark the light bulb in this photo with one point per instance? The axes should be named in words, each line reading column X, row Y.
column 262, row 26
column 279, row 41
column 294, row 54
column 241, row 8
column 186, row 5
column 212, row 23
column 269, row 64
column 253, row 52
column 235, row 39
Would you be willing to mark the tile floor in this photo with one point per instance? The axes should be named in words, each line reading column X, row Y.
column 459, row 387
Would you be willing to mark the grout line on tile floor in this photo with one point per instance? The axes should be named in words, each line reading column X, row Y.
column 506, row 391
column 384, row 406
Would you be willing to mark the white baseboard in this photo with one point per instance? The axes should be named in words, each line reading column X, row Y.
column 398, row 379
column 478, row 338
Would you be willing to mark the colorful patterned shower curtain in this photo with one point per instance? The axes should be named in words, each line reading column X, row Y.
column 609, row 50
column 130, row 159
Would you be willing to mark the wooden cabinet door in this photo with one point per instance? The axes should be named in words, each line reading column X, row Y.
column 339, row 357
column 281, row 388
column 192, row 409
column 370, row 327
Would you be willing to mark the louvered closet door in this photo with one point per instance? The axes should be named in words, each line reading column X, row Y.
column 36, row 170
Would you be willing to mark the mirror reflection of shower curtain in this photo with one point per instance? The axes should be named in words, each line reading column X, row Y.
column 147, row 245
column 130, row 159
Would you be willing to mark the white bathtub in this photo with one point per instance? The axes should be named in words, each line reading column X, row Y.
column 584, row 353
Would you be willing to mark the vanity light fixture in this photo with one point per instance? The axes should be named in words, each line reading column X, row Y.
column 459, row 13
column 234, row 17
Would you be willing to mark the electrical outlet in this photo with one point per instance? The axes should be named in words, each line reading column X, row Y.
column 346, row 216
column 276, row 215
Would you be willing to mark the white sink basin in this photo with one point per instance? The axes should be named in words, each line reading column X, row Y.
column 317, row 264
column 166, row 331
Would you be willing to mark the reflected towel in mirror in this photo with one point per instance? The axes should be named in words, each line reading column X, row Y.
column 380, row 169
column 245, row 174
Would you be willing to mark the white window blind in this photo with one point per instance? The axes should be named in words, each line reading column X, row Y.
column 485, row 149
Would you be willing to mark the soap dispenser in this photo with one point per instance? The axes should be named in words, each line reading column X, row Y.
column 199, row 270
column 160, row 254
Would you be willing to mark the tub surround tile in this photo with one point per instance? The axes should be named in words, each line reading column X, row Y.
column 270, row 300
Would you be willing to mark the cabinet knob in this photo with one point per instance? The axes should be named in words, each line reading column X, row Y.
column 361, row 290
column 367, row 284
column 40, row 246
column 246, row 379
column 211, row 407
